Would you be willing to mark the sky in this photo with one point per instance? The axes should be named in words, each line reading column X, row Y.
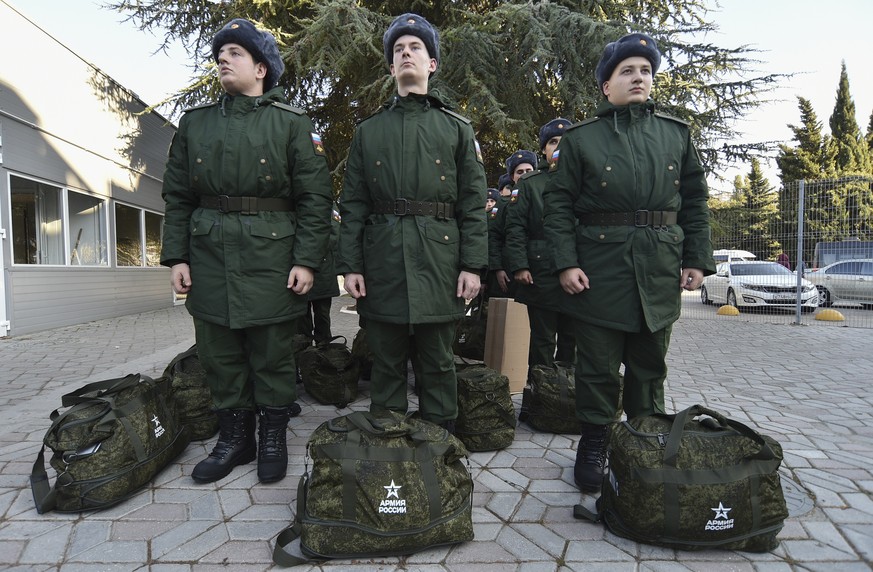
column 807, row 37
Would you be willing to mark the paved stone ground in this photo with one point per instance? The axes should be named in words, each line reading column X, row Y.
column 806, row 386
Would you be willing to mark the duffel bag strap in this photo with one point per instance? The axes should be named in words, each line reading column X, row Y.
column 99, row 389
column 582, row 512
column 44, row 496
column 674, row 440
column 282, row 550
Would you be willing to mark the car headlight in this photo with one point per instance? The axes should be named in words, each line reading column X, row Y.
column 755, row 287
column 808, row 288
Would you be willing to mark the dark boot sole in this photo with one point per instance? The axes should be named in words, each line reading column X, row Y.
column 244, row 460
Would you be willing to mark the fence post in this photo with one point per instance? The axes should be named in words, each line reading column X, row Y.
column 800, row 265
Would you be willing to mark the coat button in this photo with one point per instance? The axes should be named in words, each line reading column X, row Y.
column 273, row 233
column 374, row 179
column 378, row 163
column 609, row 168
column 603, row 183
column 269, row 178
column 199, row 160
column 670, row 168
column 194, row 229
column 442, row 178
column 676, row 182
column 437, row 161
column 446, row 237
column 263, row 161
column 602, row 236
column 196, row 178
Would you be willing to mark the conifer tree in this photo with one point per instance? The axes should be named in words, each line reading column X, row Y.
column 759, row 210
column 851, row 154
column 509, row 66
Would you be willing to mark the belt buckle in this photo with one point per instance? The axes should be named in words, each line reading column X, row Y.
column 401, row 207
column 222, row 203
column 644, row 214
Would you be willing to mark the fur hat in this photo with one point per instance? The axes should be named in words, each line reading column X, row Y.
column 493, row 194
column 504, row 180
column 260, row 44
column 623, row 48
column 553, row 128
column 413, row 25
column 519, row 157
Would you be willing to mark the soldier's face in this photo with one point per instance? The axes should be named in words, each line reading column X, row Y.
column 489, row 204
column 520, row 170
column 506, row 191
column 411, row 60
column 238, row 72
column 630, row 82
column 550, row 147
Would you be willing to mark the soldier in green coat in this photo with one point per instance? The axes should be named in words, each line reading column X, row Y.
column 413, row 239
column 529, row 260
column 315, row 323
column 247, row 194
column 626, row 218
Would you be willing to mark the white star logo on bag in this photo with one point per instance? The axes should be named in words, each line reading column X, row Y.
column 393, row 490
column 720, row 511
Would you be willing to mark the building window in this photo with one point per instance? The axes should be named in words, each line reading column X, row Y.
column 154, row 224
column 130, row 222
column 128, row 236
column 87, row 216
column 37, row 224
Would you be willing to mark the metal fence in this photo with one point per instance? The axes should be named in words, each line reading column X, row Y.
column 820, row 233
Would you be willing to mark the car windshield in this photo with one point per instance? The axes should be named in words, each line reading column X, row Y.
column 758, row 269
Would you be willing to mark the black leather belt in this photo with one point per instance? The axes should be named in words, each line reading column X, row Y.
column 405, row 207
column 245, row 205
column 641, row 218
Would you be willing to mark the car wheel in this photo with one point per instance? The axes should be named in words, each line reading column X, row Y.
column 732, row 299
column 704, row 296
column 824, row 297
column 806, row 309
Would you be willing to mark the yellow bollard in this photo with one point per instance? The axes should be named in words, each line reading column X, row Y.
column 728, row 310
column 830, row 315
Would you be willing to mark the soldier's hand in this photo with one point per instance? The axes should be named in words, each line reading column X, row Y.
column 524, row 276
column 180, row 278
column 574, row 281
column 300, row 279
column 691, row 279
column 354, row 285
column 502, row 280
column 468, row 285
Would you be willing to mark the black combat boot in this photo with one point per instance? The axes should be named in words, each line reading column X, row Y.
column 235, row 446
column 272, row 449
column 590, row 457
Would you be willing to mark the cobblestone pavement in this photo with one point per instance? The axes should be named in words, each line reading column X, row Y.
column 806, row 386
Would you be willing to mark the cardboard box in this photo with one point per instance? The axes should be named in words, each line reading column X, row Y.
column 507, row 337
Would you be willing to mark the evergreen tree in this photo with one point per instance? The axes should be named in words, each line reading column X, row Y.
column 851, row 155
column 759, row 210
column 870, row 135
column 509, row 66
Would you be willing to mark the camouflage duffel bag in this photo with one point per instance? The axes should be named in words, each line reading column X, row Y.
column 114, row 438
column 382, row 485
column 193, row 399
column 329, row 372
column 549, row 403
column 692, row 484
column 486, row 415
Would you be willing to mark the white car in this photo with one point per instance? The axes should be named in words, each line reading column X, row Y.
column 757, row 284
column 844, row 281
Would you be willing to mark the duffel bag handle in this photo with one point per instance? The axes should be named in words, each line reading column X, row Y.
column 96, row 390
column 671, row 451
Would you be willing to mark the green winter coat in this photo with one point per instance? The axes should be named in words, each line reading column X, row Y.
column 326, row 285
column 245, row 146
column 625, row 159
column 413, row 148
column 526, row 247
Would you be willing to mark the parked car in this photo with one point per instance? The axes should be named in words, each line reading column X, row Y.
column 757, row 284
column 844, row 281
column 726, row 255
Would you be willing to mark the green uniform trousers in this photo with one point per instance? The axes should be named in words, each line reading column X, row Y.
column 600, row 352
column 315, row 323
column 248, row 366
column 392, row 345
column 549, row 330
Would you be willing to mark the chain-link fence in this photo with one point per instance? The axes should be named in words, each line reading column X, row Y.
column 801, row 255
